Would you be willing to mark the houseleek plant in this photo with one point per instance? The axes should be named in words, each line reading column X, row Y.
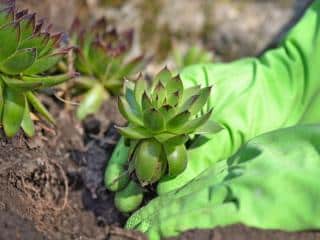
column 161, row 119
column 27, row 50
column 102, row 60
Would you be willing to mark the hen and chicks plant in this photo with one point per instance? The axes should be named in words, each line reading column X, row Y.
column 161, row 119
column 27, row 50
column 102, row 59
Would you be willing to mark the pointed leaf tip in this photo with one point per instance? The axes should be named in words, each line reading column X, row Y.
column 199, row 103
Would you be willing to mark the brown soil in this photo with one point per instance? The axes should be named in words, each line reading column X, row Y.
column 13, row 226
column 45, row 192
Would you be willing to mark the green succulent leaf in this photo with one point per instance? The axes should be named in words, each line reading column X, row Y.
column 134, row 132
column 185, row 106
column 200, row 101
column 6, row 15
column 139, row 89
column 177, row 159
column 127, row 69
column 27, row 25
column 27, row 123
column 173, row 99
column 163, row 137
column 10, row 38
column 43, row 64
column 52, row 43
column 210, row 127
column 38, row 106
column 178, row 120
column 153, row 120
column 159, row 95
column 192, row 125
column 92, row 101
column 13, row 111
column 82, row 65
column 189, row 92
column 111, row 81
column 127, row 112
column 19, row 62
column 38, row 41
column 49, row 81
column 86, row 43
column 97, row 59
column 167, row 111
column 130, row 97
column 174, row 85
column 19, row 84
column 198, row 141
column 149, row 161
column 146, row 102
column 177, row 140
column 164, row 76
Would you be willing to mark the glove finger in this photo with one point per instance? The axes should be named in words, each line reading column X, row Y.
column 116, row 176
column 130, row 198
column 170, row 206
column 140, row 219
column 204, row 217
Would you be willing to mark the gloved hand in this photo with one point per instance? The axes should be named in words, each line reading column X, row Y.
column 250, row 97
column 271, row 183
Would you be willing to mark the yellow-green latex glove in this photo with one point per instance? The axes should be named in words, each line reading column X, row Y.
column 250, row 97
column 271, row 183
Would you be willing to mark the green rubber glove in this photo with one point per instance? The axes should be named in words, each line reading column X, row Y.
column 271, row 183
column 250, row 97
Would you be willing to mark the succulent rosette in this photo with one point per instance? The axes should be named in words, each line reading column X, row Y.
column 102, row 59
column 161, row 119
column 27, row 51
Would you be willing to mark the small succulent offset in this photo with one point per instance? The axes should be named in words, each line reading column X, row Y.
column 101, row 58
column 161, row 119
column 27, row 50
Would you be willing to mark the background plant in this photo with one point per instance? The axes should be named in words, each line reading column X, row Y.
column 102, row 59
column 27, row 50
column 193, row 55
column 161, row 119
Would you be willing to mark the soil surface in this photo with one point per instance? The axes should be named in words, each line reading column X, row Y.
column 51, row 186
column 13, row 226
